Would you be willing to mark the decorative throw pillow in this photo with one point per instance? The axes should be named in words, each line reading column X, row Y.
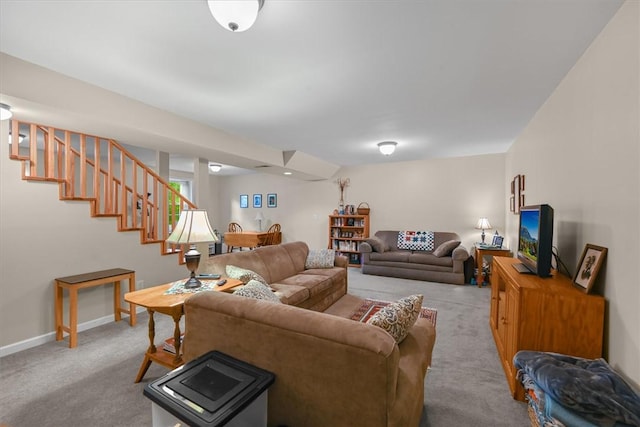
column 416, row 240
column 446, row 248
column 320, row 258
column 257, row 290
column 377, row 244
column 398, row 317
column 244, row 275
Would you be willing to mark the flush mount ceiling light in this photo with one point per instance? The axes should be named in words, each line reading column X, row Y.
column 5, row 112
column 235, row 15
column 387, row 148
column 21, row 138
column 214, row 167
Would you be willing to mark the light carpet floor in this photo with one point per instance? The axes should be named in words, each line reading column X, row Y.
column 92, row 385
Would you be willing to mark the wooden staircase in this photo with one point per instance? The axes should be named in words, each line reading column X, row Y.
column 102, row 172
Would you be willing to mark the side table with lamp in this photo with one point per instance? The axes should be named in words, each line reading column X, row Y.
column 483, row 249
column 192, row 227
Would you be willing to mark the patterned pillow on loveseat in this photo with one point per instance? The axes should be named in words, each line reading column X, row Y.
column 416, row 240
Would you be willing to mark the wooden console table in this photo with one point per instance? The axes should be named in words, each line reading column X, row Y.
column 155, row 300
column 87, row 280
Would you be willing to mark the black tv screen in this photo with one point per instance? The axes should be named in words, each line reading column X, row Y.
column 535, row 239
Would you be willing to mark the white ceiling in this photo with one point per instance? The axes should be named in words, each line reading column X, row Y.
column 331, row 79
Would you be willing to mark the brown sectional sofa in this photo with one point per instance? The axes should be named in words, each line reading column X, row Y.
column 330, row 370
column 409, row 264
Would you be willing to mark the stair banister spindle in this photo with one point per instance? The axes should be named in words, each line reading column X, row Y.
column 33, row 152
column 96, row 177
column 49, row 160
column 134, row 196
column 83, row 166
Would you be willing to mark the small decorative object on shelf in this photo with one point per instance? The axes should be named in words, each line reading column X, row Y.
column 346, row 232
column 342, row 183
column 363, row 208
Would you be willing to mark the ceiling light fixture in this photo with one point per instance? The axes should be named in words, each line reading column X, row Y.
column 387, row 148
column 287, row 173
column 5, row 112
column 21, row 138
column 235, row 15
column 214, row 167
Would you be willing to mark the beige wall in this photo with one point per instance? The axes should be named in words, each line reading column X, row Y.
column 580, row 154
column 445, row 194
column 437, row 194
column 42, row 238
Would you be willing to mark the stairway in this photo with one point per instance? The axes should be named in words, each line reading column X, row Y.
column 102, row 172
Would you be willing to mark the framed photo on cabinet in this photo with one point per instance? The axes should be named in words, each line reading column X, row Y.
column 272, row 200
column 257, row 200
column 244, row 200
column 590, row 263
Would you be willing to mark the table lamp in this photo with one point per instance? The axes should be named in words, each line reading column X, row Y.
column 259, row 218
column 192, row 227
column 483, row 224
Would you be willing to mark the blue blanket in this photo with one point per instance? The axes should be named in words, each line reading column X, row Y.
column 589, row 387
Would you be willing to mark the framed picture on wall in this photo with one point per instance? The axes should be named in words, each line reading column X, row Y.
column 592, row 258
column 257, row 200
column 244, row 200
column 272, row 200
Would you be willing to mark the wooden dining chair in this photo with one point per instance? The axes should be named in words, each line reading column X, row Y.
column 234, row 227
column 272, row 233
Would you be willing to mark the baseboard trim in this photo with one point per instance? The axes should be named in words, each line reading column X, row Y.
column 51, row 336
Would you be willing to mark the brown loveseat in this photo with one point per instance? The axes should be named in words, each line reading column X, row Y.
column 390, row 261
column 330, row 370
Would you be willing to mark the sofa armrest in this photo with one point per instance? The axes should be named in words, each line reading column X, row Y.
column 460, row 253
column 341, row 261
column 365, row 248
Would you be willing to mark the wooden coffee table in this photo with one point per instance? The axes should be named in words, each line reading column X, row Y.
column 155, row 300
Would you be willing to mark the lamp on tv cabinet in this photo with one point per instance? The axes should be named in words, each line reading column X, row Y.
column 483, row 224
column 192, row 227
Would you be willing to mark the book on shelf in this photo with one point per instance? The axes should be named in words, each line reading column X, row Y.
column 169, row 345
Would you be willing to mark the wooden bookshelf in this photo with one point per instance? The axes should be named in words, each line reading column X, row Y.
column 346, row 232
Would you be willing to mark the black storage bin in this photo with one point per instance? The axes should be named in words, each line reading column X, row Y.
column 213, row 390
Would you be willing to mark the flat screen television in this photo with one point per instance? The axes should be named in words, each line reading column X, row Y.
column 535, row 240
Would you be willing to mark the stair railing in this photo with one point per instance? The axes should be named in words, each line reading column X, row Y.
column 102, row 172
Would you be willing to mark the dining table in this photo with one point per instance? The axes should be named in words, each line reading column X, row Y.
column 249, row 239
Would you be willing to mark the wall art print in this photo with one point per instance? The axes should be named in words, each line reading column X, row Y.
column 516, row 201
column 272, row 200
column 257, row 200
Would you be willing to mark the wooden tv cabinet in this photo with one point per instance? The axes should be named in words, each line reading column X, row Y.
column 541, row 314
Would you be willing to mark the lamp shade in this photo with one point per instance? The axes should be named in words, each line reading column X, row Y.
column 387, row 148
column 259, row 216
column 192, row 227
column 235, row 15
column 483, row 224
